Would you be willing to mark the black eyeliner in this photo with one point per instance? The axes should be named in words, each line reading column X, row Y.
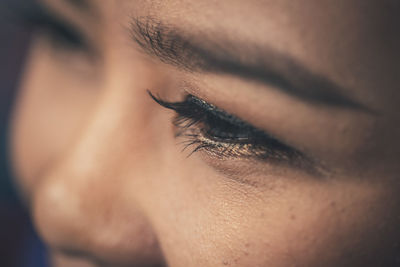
column 211, row 129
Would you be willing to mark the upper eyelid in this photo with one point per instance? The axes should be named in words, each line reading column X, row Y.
column 301, row 160
column 179, row 107
column 227, row 116
column 220, row 114
column 214, row 110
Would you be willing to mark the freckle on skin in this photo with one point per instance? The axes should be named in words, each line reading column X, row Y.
column 247, row 245
column 293, row 217
column 225, row 263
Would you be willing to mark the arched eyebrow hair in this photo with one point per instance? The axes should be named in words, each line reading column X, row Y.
column 216, row 54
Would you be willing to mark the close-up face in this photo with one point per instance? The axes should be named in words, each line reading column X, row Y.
column 190, row 133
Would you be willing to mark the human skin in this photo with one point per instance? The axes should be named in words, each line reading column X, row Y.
column 108, row 184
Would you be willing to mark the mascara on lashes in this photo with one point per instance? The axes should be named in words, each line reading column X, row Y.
column 223, row 135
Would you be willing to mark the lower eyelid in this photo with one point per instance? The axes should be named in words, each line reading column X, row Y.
column 260, row 147
column 234, row 147
column 223, row 149
column 258, row 173
column 246, row 172
column 261, row 158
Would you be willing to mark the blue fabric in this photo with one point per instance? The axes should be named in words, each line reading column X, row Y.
column 34, row 253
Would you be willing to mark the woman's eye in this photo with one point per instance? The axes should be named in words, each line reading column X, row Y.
column 208, row 128
column 59, row 33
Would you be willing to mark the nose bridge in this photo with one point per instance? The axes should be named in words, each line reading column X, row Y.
column 83, row 203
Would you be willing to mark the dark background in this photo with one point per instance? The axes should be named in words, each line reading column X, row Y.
column 19, row 245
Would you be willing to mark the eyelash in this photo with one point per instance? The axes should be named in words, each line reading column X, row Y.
column 61, row 34
column 222, row 135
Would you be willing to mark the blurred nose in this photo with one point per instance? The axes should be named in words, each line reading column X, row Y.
column 89, row 203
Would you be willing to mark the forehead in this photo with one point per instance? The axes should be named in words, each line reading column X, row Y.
column 264, row 19
column 281, row 24
column 262, row 11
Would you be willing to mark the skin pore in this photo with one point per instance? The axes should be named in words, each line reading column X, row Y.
column 110, row 183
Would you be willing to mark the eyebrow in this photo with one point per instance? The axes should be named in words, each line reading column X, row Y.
column 80, row 4
column 216, row 54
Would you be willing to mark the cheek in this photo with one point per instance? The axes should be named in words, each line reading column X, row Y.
column 294, row 224
column 51, row 108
